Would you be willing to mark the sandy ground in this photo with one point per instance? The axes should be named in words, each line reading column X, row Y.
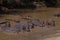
column 53, row 38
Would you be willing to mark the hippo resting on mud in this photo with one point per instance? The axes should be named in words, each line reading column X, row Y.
column 57, row 15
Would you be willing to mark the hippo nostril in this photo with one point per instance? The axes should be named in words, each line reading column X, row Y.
column 32, row 26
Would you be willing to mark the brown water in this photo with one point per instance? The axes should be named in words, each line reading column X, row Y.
column 36, row 33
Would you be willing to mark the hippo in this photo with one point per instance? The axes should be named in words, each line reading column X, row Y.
column 17, row 26
column 8, row 29
column 7, row 24
column 37, row 22
column 26, row 26
column 51, row 22
column 2, row 22
column 57, row 15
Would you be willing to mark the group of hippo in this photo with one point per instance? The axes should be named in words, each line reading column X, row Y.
column 25, row 26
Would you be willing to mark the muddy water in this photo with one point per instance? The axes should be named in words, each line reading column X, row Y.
column 43, row 15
